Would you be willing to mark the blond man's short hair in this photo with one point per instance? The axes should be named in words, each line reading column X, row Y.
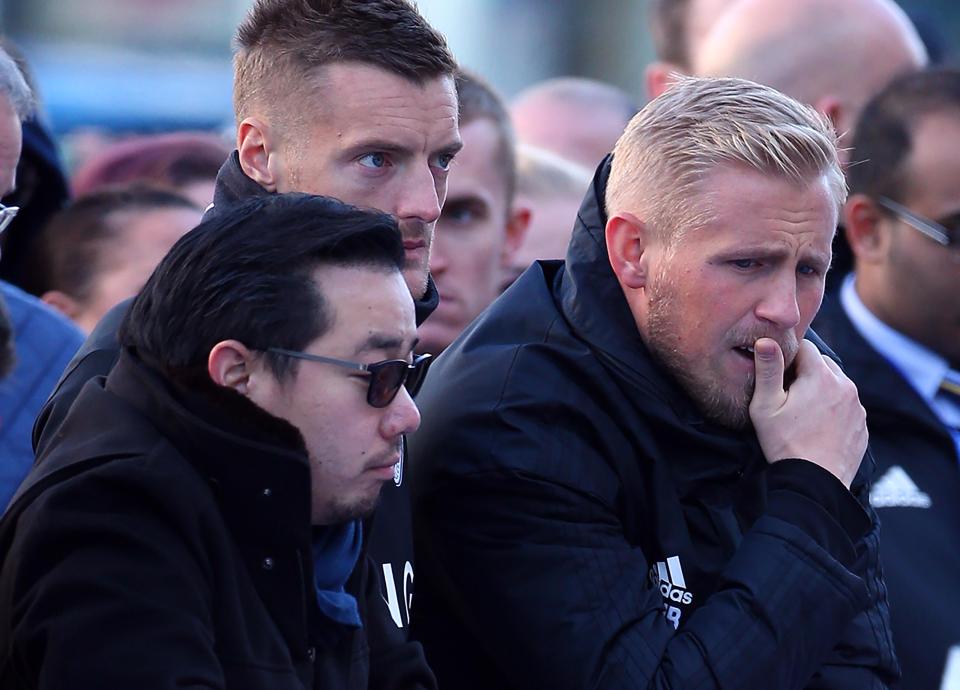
column 700, row 125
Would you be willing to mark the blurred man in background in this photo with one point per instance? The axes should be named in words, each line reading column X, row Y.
column 100, row 250
column 580, row 119
column 42, row 187
column 552, row 188
column 832, row 54
column 678, row 28
column 896, row 326
column 480, row 228
column 43, row 340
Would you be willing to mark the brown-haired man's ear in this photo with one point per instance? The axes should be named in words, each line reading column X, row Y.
column 517, row 226
column 259, row 155
column 62, row 302
column 658, row 77
column 864, row 229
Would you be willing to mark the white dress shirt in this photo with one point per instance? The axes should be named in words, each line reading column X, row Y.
column 923, row 369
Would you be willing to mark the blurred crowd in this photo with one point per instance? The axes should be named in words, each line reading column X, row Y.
column 518, row 177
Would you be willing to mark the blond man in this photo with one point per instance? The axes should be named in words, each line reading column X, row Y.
column 637, row 469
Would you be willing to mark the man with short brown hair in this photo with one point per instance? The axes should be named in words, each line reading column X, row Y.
column 354, row 100
column 896, row 325
column 480, row 227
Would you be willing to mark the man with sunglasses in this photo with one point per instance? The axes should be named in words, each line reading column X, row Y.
column 197, row 522
column 896, row 326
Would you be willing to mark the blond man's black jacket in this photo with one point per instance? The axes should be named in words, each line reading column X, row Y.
column 579, row 525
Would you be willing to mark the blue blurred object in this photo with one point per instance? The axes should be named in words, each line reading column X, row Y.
column 44, row 343
column 118, row 90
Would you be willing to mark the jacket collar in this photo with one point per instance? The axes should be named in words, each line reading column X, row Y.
column 594, row 305
column 255, row 464
column 233, row 186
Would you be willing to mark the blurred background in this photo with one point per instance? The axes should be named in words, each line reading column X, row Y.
column 113, row 67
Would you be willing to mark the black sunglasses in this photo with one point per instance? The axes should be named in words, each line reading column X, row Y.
column 386, row 377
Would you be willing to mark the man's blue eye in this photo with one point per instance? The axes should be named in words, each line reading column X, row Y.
column 461, row 215
column 744, row 263
column 373, row 160
column 444, row 160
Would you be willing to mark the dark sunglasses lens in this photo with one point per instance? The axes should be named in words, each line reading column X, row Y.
column 952, row 226
column 385, row 382
column 417, row 374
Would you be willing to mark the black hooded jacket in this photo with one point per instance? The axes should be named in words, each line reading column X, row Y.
column 387, row 541
column 579, row 525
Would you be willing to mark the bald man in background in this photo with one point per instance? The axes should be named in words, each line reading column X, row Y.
column 678, row 28
column 832, row 54
column 579, row 119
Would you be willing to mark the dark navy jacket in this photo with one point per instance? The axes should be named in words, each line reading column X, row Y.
column 579, row 525
column 921, row 528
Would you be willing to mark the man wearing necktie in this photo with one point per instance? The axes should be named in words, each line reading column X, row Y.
column 896, row 326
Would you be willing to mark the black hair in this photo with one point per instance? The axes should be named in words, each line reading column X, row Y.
column 883, row 140
column 246, row 274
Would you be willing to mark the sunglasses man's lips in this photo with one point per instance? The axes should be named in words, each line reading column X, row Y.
column 384, row 471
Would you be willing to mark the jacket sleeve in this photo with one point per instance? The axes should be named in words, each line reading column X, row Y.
column 95, row 357
column 864, row 657
column 396, row 662
column 96, row 600
column 542, row 575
